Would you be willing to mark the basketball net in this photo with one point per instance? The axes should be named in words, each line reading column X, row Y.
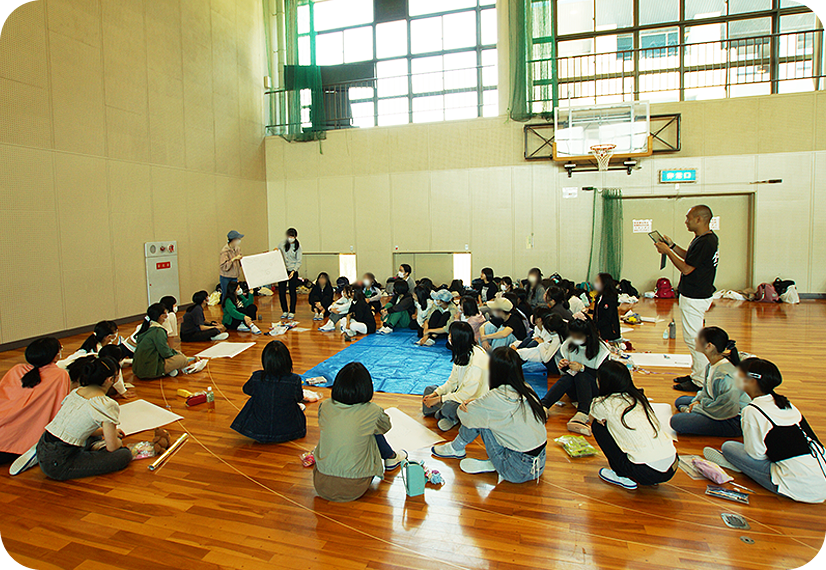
column 603, row 154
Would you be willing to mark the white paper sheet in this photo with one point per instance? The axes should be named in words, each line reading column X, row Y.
column 663, row 412
column 264, row 269
column 646, row 359
column 141, row 415
column 626, row 330
column 407, row 433
column 225, row 350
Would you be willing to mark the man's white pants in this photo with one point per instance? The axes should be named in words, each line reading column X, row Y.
column 693, row 313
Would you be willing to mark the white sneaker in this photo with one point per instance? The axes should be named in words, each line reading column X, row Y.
column 254, row 328
column 476, row 466
column 609, row 476
column 195, row 367
column 385, row 330
column 349, row 333
column 446, row 424
column 173, row 374
column 243, row 328
column 446, row 451
column 25, row 461
column 429, row 342
column 290, row 315
column 395, row 461
column 716, row 456
column 327, row 327
column 285, row 315
column 220, row 336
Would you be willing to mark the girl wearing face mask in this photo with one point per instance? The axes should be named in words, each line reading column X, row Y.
column 549, row 331
column 240, row 311
column 715, row 410
column 104, row 334
column 406, row 273
column 578, row 359
column 489, row 288
column 291, row 250
column 505, row 286
column 441, row 316
column 780, row 451
column 229, row 262
column 153, row 356
column 536, row 292
column 606, row 310
column 171, row 322
column 321, row 296
column 64, row 451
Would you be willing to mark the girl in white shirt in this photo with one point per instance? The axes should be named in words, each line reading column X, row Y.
column 65, row 450
column 548, row 333
column 628, row 433
column 468, row 379
column 779, row 450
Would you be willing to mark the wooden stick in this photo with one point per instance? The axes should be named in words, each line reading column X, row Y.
column 168, row 452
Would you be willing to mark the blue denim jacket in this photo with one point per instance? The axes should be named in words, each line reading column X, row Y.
column 272, row 415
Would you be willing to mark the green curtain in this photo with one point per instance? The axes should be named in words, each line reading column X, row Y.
column 606, row 234
column 533, row 82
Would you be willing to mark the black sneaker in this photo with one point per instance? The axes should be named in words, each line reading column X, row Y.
column 680, row 379
column 687, row 386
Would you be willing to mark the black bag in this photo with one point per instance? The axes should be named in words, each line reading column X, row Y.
column 626, row 287
column 780, row 285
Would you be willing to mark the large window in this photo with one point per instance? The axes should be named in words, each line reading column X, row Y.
column 670, row 50
column 430, row 60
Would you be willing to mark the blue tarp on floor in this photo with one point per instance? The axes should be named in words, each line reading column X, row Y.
column 399, row 366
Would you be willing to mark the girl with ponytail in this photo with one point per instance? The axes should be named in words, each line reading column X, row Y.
column 30, row 396
column 715, row 410
column 780, row 451
column 153, row 356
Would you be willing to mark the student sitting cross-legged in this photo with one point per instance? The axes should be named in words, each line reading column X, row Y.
column 715, row 410
column 442, row 314
column 468, row 379
column 577, row 360
column 339, row 310
column 549, row 332
column 273, row 413
column 628, row 433
column 66, row 449
column 351, row 447
column 360, row 319
column 509, row 418
column 153, row 355
column 398, row 312
column 505, row 326
column 321, row 296
column 780, row 451
column 195, row 327
column 240, row 310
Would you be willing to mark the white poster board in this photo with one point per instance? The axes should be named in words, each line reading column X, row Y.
column 646, row 359
column 225, row 350
column 141, row 415
column 264, row 269
column 407, row 433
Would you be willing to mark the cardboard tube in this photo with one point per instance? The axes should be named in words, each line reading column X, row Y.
column 159, row 461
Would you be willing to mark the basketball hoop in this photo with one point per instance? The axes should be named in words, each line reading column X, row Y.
column 603, row 154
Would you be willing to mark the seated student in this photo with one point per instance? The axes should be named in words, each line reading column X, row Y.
column 505, row 285
column 372, row 292
column 715, row 409
column 578, row 359
column 468, row 379
column 273, row 413
column 779, row 450
column 526, row 320
column 398, row 312
column 338, row 311
column 549, row 332
column 441, row 316
column 489, row 288
column 171, row 322
column 104, row 333
column 406, row 274
column 351, row 445
column 576, row 303
column 470, row 314
column 522, row 302
column 505, row 326
column 606, row 308
column 30, row 396
column 535, row 291
column 423, row 303
column 119, row 388
column 360, row 319
column 65, row 447
column 239, row 309
column 511, row 421
column 195, row 327
column 153, row 356
column 555, row 297
column 321, row 296
column 638, row 451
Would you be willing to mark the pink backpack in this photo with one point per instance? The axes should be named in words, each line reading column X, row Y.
column 766, row 294
column 664, row 289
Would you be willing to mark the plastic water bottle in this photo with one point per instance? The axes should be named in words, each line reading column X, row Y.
column 210, row 398
column 665, row 332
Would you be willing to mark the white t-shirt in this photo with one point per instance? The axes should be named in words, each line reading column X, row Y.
column 80, row 417
column 641, row 443
column 799, row 478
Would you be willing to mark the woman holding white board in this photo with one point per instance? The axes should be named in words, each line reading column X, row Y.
column 290, row 248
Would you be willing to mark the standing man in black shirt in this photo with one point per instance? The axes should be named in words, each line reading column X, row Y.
column 698, row 266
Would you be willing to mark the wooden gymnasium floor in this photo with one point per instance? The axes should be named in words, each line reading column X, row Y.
column 226, row 502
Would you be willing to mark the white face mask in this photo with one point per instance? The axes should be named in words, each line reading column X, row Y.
column 503, row 287
column 291, row 239
column 239, row 292
column 401, row 274
column 175, row 309
column 578, row 341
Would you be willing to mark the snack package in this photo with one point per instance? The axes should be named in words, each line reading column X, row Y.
column 142, row 449
column 711, row 471
column 576, row 446
column 308, row 459
column 728, row 494
column 310, row 396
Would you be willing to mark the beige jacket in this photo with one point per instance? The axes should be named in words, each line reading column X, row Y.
column 228, row 267
column 347, row 444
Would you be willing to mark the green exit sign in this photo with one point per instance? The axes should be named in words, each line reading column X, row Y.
column 676, row 176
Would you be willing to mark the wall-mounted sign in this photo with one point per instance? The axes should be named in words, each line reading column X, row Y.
column 714, row 223
column 570, row 192
column 643, row 226
column 677, row 176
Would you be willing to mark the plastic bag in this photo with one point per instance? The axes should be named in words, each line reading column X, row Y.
column 576, row 445
column 711, row 471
